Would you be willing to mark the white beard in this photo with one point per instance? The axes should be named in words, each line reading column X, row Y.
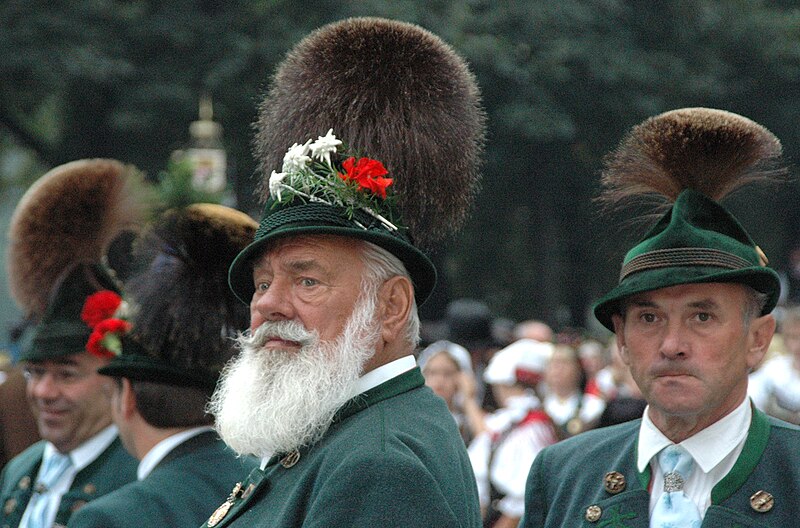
column 274, row 401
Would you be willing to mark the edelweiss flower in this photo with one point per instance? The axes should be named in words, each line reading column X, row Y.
column 296, row 157
column 322, row 148
column 275, row 182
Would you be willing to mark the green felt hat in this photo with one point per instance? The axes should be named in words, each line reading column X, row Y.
column 692, row 157
column 301, row 218
column 183, row 315
column 697, row 241
column 61, row 331
column 393, row 93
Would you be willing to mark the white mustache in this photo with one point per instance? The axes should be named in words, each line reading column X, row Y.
column 285, row 330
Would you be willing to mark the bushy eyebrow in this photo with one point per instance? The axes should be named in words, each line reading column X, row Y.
column 702, row 304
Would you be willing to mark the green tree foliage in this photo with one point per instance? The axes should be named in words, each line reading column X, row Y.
column 562, row 81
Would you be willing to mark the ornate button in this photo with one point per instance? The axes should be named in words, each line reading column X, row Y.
column 614, row 482
column 290, row 459
column 24, row 483
column 10, row 506
column 90, row 489
column 593, row 513
column 762, row 502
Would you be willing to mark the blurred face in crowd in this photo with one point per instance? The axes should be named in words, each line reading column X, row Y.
column 70, row 401
column 563, row 372
column 314, row 327
column 690, row 349
column 790, row 333
column 441, row 375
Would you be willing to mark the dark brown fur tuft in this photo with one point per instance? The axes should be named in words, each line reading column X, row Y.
column 184, row 310
column 68, row 216
column 711, row 151
column 391, row 91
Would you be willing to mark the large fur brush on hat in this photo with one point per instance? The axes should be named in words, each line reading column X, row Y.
column 391, row 91
column 184, row 311
column 68, row 216
column 711, row 151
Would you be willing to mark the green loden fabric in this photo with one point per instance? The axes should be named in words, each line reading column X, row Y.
column 182, row 490
column 566, row 479
column 392, row 458
column 112, row 469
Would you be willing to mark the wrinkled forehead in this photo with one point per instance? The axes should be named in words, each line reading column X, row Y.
column 317, row 247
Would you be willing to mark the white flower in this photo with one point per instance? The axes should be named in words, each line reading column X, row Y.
column 275, row 183
column 296, row 157
column 322, row 148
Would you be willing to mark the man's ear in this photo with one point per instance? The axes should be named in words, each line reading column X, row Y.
column 761, row 331
column 127, row 398
column 619, row 333
column 395, row 299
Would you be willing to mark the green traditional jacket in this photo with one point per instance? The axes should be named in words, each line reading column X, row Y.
column 181, row 491
column 392, row 458
column 591, row 480
column 112, row 469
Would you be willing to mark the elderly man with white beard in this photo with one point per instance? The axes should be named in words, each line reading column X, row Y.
column 325, row 388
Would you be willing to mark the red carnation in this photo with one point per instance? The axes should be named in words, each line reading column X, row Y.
column 368, row 173
column 105, row 339
column 100, row 306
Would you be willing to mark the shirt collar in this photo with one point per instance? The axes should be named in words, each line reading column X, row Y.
column 375, row 377
column 708, row 447
column 164, row 447
column 87, row 452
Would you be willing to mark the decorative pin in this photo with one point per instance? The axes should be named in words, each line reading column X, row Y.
column 248, row 491
column 762, row 257
column 762, row 502
column 90, row 489
column 614, row 482
column 24, row 483
column 219, row 513
column 673, row 481
column 10, row 506
column 593, row 513
column 225, row 507
column 290, row 459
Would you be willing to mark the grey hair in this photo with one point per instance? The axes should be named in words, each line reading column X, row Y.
column 754, row 304
column 379, row 266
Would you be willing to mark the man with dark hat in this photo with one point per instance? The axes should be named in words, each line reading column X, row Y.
column 183, row 320
column 60, row 234
column 326, row 390
column 692, row 317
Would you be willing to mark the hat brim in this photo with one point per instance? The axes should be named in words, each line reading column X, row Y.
column 419, row 266
column 145, row 368
column 761, row 279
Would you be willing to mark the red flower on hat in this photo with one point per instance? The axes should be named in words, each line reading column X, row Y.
column 99, row 306
column 368, row 173
column 105, row 339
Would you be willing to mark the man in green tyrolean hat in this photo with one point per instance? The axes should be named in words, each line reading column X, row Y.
column 691, row 314
column 60, row 236
column 326, row 389
column 165, row 360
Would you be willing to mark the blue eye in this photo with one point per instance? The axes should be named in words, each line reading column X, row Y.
column 307, row 282
column 262, row 286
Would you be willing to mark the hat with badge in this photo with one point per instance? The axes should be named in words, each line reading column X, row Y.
column 178, row 320
column 692, row 157
column 372, row 129
column 60, row 236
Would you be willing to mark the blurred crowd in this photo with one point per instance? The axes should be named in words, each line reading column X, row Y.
column 514, row 389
